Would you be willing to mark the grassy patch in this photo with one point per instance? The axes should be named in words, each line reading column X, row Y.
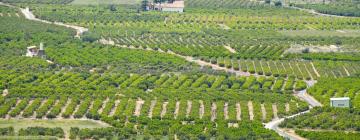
column 64, row 124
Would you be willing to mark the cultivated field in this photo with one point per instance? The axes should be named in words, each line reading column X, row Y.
column 223, row 69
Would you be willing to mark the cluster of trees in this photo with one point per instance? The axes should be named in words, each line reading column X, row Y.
column 155, row 129
column 91, row 83
column 198, row 33
column 7, row 131
column 326, row 118
column 337, row 135
column 327, row 88
column 340, row 9
column 42, row 131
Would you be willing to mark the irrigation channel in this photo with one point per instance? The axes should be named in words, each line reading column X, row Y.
column 273, row 125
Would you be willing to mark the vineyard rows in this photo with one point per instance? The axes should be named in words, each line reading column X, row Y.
column 157, row 109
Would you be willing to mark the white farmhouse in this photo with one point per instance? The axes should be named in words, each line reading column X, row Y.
column 175, row 6
column 340, row 102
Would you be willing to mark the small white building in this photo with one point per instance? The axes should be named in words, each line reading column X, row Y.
column 31, row 51
column 175, row 6
column 340, row 102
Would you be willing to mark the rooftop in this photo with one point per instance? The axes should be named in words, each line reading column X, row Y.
column 175, row 4
column 340, row 98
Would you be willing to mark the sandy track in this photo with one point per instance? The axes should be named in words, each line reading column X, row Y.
column 213, row 111
column 275, row 111
column 41, row 104
column 12, row 108
column 201, row 109
column 164, row 109
column 313, row 67
column 113, row 110
column 188, row 109
column 177, row 108
column 230, row 49
column 287, row 107
column 139, row 104
column 49, row 110
column 226, row 113
column 263, row 112
column 75, row 110
column 64, row 108
column 238, row 111
column 347, row 72
column 309, row 73
column 251, row 110
column 152, row 105
column 103, row 105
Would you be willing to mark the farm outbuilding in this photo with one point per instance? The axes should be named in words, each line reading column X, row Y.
column 175, row 6
column 340, row 102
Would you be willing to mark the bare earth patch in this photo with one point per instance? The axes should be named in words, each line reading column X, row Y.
column 251, row 110
column 188, row 109
column 226, row 113
column 213, row 111
column 230, row 49
column 164, row 109
column 201, row 109
column 263, row 111
column 138, row 106
column 177, row 108
column 275, row 111
column 238, row 111
column 152, row 105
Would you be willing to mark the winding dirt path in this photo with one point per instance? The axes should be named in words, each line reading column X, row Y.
column 30, row 16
